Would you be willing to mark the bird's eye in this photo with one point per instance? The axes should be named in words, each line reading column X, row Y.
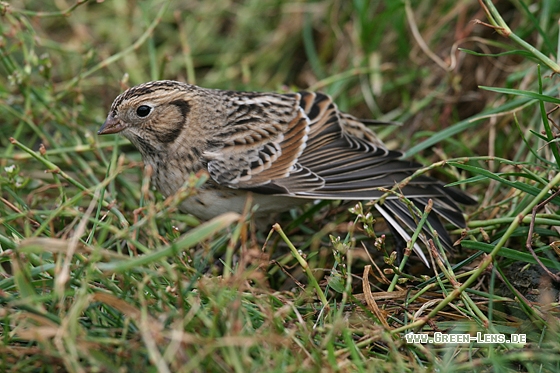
column 143, row 111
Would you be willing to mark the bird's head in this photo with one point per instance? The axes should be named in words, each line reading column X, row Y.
column 161, row 116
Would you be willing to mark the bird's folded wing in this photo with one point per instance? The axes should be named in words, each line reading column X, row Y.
column 266, row 134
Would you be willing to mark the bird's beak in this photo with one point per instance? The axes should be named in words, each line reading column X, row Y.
column 111, row 125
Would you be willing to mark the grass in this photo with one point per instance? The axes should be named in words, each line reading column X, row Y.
column 100, row 273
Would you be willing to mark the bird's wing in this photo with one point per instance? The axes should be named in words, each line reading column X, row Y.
column 260, row 146
column 301, row 145
column 348, row 156
column 289, row 143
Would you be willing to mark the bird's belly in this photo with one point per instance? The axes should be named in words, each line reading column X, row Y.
column 209, row 203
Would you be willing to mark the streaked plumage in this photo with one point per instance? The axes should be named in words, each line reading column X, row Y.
column 282, row 147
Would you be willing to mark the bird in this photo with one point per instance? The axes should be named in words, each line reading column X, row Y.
column 283, row 148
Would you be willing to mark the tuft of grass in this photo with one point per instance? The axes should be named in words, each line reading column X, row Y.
column 99, row 273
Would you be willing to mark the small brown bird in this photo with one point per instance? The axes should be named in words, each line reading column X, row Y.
column 284, row 148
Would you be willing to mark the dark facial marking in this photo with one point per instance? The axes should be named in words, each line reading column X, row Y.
column 168, row 135
column 183, row 107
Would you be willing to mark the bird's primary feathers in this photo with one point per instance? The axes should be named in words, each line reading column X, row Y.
column 281, row 147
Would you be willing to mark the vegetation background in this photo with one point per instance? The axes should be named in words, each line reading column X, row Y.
column 99, row 273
